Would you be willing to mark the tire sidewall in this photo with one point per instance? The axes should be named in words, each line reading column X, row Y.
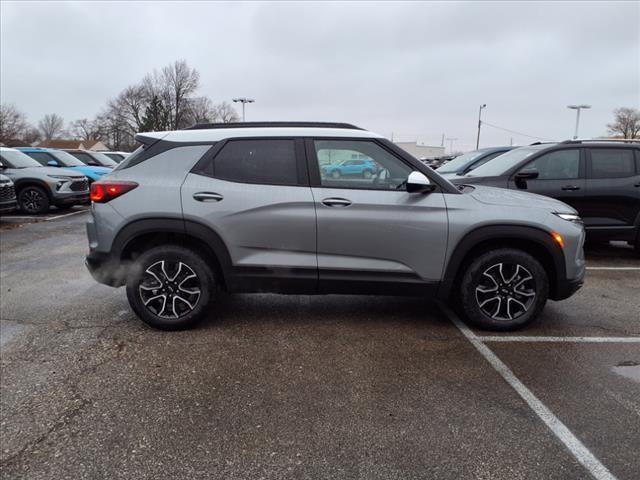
column 471, row 279
column 171, row 253
column 45, row 199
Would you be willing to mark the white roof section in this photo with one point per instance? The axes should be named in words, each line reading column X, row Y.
column 217, row 134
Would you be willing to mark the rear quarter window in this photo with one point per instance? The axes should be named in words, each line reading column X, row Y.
column 612, row 163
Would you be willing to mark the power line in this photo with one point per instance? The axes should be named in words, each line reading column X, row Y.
column 517, row 133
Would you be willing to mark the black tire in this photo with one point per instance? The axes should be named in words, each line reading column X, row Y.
column 367, row 174
column 178, row 263
column 33, row 200
column 497, row 293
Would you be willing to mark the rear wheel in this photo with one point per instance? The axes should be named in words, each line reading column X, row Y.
column 33, row 200
column 367, row 174
column 503, row 289
column 171, row 287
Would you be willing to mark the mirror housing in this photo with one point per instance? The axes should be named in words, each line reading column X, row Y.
column 417, row 182
column 52, row 163
column 524, row 175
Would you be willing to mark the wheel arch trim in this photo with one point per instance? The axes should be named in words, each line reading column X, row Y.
column 506, row 233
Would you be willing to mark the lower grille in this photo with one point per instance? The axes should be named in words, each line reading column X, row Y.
column 7, row 192
column 79, row 185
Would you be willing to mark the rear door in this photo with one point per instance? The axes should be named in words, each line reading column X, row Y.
column 255, row 194
column 613, row 188
column 560, row 175
column 371, row 231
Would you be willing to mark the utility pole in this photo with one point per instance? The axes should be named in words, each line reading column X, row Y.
column 577, row 108
column 451, row 140
column 484, row 105
column 243, row 101
column 442, row 141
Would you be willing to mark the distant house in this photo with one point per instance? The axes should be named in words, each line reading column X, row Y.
column 420, row 150
column 94, row 145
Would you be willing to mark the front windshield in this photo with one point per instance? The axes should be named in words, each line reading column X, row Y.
column 66, row 159
column 499, row 165
column 460, row 163
column 15, row 159
column 104, row 160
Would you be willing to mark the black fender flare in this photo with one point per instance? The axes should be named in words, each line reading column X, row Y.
column 160, row 225
column 503, row 232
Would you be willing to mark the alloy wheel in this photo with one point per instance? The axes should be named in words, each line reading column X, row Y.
column 506, row 291
column 169, row 289
column 32, row 201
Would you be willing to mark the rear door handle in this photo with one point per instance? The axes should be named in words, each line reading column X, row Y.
column 571, row 187
column 336, row 202
column 207, row 197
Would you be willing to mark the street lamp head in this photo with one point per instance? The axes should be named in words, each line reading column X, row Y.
column 484, row 105
column 578, row 107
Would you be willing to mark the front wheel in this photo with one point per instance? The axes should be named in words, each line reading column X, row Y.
column 171, row 287
column 335, row 174
column 367, row 174
column 503, row 289
column 33, row 200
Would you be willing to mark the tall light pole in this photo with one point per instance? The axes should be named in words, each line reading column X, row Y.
column 577, row 108
column 484, row 105
column 451, row 140
column 243, row 101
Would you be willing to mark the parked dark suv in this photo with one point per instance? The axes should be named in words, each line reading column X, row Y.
column 601, row 180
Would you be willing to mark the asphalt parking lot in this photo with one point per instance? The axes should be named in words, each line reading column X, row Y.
column 308, row 387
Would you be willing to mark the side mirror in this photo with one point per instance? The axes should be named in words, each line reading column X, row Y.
column 2, row 167
column 52, row 163
column 522, row 177
column 527, row 174
column 417, row 182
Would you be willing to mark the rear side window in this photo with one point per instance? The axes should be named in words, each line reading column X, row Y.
column 612, row 163
column 270, row 162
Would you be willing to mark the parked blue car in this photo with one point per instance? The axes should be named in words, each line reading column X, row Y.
column 50, row 157
column 350, row 168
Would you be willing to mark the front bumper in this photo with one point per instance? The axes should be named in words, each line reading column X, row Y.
column 72, row 199
column 10, row 206
column 567, row 288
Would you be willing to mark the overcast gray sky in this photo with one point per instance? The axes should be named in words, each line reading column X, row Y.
column 415, row 69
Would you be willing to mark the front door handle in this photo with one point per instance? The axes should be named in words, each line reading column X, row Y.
column 571, row 187
column 207, row 197
column 336, row 202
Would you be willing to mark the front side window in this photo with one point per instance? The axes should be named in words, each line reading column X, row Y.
column 382, row 171
column 271, row 162
column 85, row 158
column 611, row 163
column 41, row 157
column 559, row 165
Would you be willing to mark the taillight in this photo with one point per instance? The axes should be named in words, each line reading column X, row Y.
column 105, row 191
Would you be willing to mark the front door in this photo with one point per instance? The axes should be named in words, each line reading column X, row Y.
column 560, row 176
column 371, row 231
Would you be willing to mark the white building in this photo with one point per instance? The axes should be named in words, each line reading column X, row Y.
column 420, row 150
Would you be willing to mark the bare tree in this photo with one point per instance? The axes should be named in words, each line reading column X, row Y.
column 180, row 82
column 626, row 123
column 51, row 126
column 85, row 129
column 225, row 113
column 201, row 110
column 13, row 123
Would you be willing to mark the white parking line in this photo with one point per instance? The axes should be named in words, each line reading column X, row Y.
column 66, row 215
column 575, row 446
column 613, row 268
column 513, row 338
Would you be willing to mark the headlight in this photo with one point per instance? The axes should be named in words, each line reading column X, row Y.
column 569, row 217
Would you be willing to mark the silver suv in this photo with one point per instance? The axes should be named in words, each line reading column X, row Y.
column 39, row 187
column 250, row 208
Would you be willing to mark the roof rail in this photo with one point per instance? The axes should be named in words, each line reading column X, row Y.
column 603, row 140
column 207, row 126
